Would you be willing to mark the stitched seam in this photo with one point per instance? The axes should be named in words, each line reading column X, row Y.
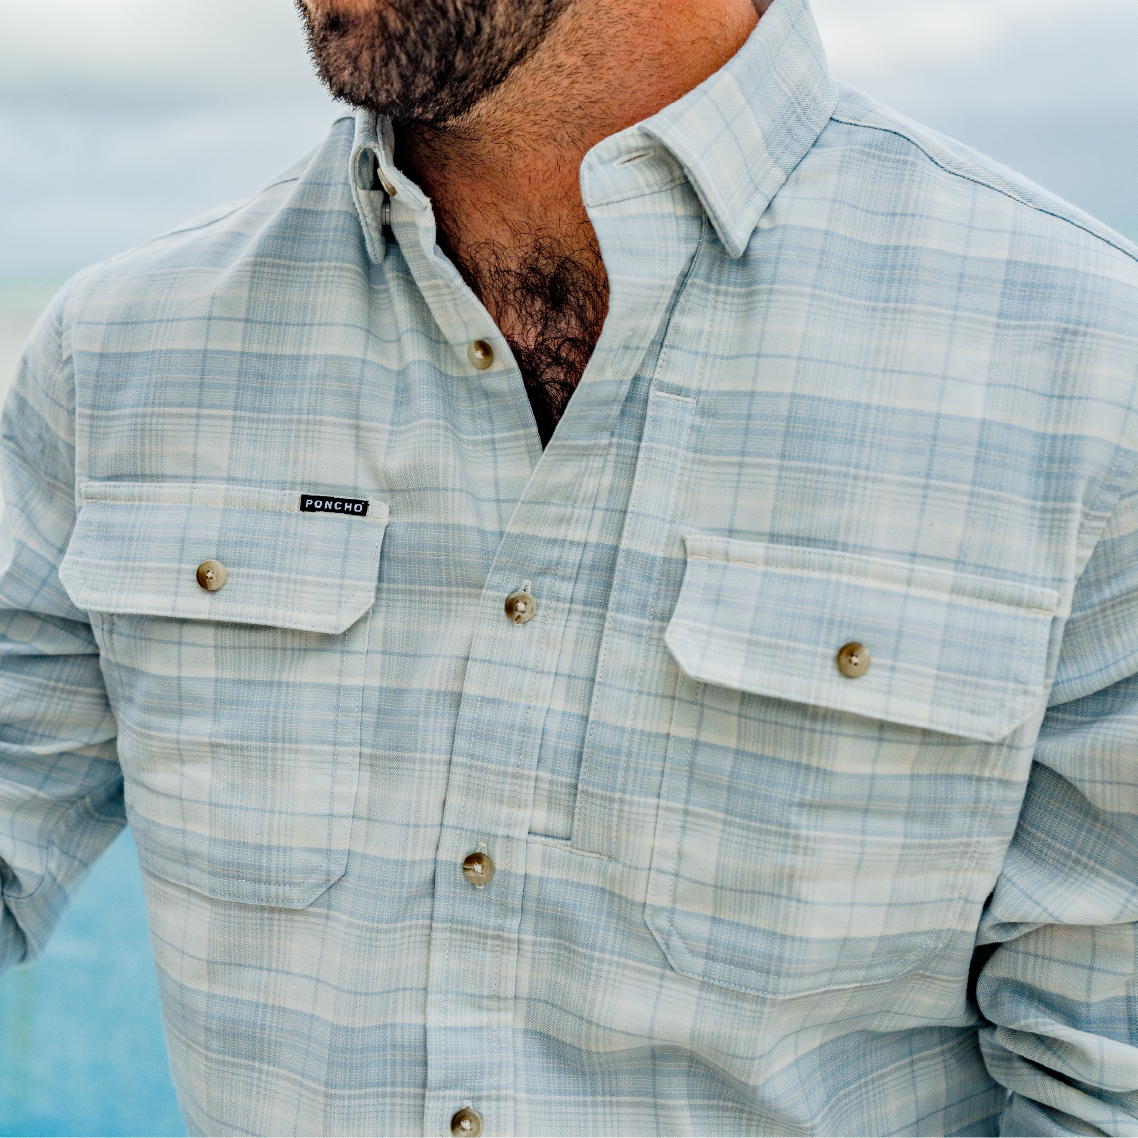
column 846, row 564
column 578, row 822
column 217, row 496
column 563, row 844
column 670, row 184
column 1003, row 192
column 881, row 582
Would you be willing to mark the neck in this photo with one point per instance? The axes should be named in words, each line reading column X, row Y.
column 503, row 178
column 514, row 159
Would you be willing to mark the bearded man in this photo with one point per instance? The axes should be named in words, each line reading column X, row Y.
column 608, row 595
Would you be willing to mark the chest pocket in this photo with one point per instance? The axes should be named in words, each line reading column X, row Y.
column 818, row 831
column 238, row 709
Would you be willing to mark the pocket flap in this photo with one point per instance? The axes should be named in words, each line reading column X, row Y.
column 137, row 547
column 951, row 652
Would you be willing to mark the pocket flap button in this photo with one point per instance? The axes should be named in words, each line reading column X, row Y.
column 212, row 575
column 854, row 660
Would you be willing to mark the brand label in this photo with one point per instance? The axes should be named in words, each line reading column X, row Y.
column 318, row 504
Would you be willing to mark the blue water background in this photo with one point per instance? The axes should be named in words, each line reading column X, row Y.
column 81, row 1046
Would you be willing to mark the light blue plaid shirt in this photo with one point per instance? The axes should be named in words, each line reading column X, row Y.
column 857, row 384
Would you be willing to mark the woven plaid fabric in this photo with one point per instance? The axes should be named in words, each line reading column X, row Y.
column 857, row 384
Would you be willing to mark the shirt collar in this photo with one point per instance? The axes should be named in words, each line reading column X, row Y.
column 741, row 132
column 738, row 135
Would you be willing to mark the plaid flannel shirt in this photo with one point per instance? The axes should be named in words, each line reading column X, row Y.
column 857, row 384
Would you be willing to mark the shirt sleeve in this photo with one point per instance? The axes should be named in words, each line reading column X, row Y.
column 1061, row 987
column 61, row 801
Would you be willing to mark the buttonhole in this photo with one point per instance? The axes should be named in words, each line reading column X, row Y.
column 638, row 156
column 369, row 170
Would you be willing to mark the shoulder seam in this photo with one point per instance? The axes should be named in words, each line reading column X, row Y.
column 238, row 205
column 221, row 216
column 987, row 185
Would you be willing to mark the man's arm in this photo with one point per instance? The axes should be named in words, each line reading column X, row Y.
column 60, row 783
column 1062, row 987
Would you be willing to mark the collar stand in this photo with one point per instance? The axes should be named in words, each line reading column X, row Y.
column 741, row 132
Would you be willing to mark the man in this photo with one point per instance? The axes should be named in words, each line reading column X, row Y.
column 758, row 759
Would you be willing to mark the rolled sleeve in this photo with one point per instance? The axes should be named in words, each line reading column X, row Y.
column 61, row 799
column 1060, row 988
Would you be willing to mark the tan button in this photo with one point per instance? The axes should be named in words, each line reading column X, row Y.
column 466, row 1121
column 521, row 607
column 854, row 660
column 480, row 355
column 478, row 868
column 212, row 575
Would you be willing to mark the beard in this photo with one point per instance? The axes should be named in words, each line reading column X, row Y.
column 423, row 62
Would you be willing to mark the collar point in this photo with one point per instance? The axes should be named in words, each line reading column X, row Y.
column 734, row 246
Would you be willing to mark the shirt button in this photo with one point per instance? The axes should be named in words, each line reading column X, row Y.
column 480, row 355
column 854, row 660
column 478, row 868
column 521, row 607
column 466, row 1121
column 212, row 575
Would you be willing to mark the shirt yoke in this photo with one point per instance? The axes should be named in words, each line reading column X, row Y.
column 857, row 109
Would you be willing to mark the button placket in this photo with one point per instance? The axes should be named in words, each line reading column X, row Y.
column 472, row 979
column 509, row 681
column 481, row 910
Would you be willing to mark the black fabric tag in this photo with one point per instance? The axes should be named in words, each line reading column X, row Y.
column 319, row 504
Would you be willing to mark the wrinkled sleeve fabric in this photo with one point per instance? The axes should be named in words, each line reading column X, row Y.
column 61, row 800
column 1061, row 988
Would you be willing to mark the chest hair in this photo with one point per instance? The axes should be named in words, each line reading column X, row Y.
column 549, row 296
